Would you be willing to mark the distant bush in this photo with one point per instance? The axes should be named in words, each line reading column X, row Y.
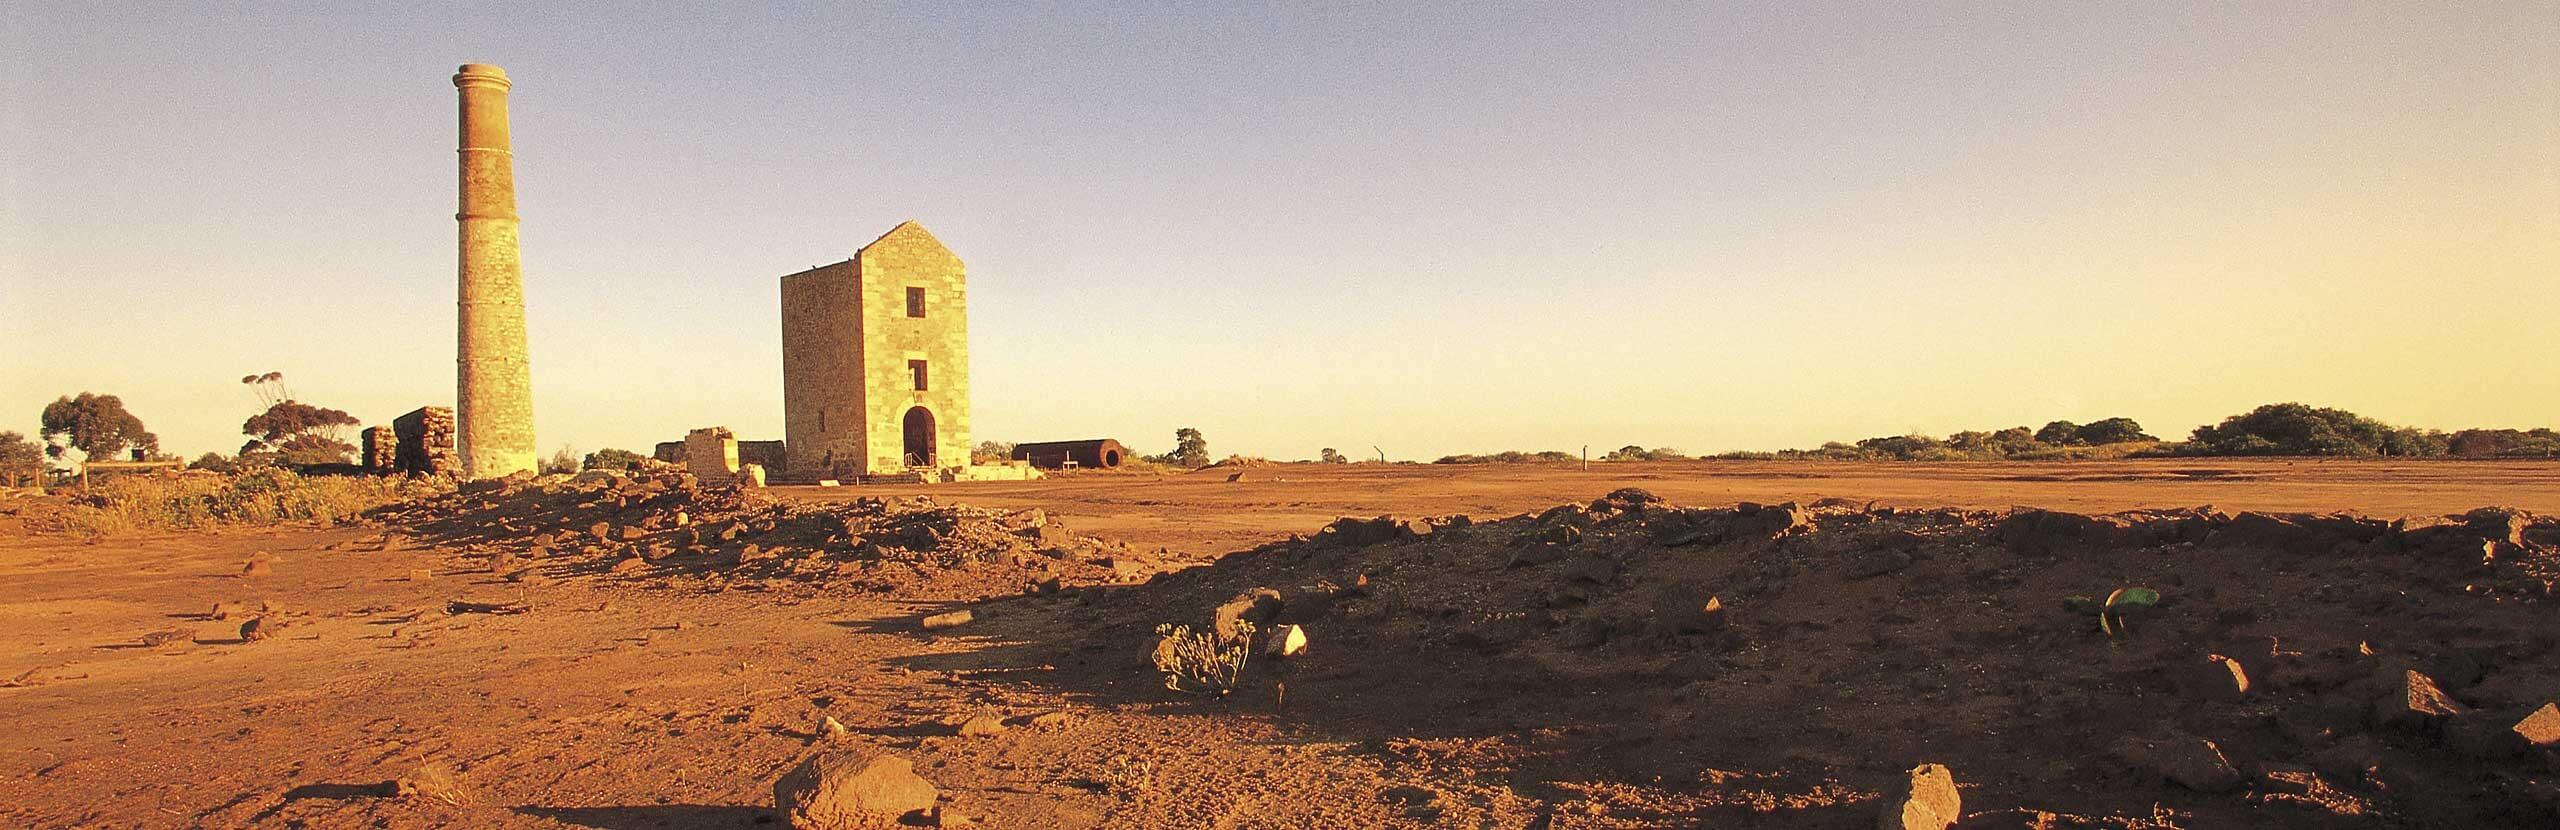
column 991, row 452
column 1632, row 452
column 2504, row 443
column 2111, row 431
column 1190, row 449
column 1508, row 457
column 263, row 496
column 2297, row 429
column 613, row 459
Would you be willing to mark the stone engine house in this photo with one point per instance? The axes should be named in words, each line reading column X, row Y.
column 875, row 362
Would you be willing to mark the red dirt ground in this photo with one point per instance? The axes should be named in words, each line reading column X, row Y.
column 1471, row 684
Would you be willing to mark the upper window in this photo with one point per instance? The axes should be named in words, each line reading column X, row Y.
column 916, row 367
column 915, row 304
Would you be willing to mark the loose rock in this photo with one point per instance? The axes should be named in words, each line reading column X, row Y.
column 981, row 726
column 1929, row 801
column 2542, row 728
column 850, row 789
column 2416, row 701
column 1288, row 641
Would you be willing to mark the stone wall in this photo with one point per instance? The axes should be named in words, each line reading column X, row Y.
column 848, row 347
column 711, row 454
column 766, row 454
column 426, row 442
column 381, row 448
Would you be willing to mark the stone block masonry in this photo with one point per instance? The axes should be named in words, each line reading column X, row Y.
column 494, row 390
column 381, row 449
column 875, row 361
column 425, row 437
column 711, row 454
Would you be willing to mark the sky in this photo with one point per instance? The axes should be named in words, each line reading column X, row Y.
column 1424, row 228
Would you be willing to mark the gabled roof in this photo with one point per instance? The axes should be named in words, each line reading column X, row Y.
column 906, row 232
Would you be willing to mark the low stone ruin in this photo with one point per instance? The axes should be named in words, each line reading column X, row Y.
column 425, row 438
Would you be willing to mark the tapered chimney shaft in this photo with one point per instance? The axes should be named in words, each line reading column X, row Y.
column 493, row 409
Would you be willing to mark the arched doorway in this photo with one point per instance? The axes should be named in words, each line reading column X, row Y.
column 919, row 438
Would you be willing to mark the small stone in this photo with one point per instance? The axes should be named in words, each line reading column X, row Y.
column 632, row 565
column 851, row 789
column 225, row 610
column 1929, row 801
column 2416, row 702
column 256, row 629
column 1288, row 641
column 945, row 816
column 1048, row 719
column 257, row 566
column 2542, row 728
column 951, row 619
column 830, row 729
column 421, row 574
column 981, row 726
column 603, row 531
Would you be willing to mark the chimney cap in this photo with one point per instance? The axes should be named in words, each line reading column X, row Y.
column 482, row 73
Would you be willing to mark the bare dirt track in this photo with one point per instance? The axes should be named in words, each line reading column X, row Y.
column 1508, row 674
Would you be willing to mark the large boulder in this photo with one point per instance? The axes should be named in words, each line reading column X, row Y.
column 850, row 789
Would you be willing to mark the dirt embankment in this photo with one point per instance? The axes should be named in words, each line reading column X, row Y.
column 1631, row 664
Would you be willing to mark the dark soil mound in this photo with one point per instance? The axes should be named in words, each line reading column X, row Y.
column 1667, row 666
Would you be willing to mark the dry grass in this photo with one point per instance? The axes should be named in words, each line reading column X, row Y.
column 198, row 500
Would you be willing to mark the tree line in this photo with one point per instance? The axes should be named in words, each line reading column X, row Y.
column 2282, row 429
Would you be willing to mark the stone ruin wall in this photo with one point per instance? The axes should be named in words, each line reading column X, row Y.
column 425, row 438
column 711, row 454
column 381, row 448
